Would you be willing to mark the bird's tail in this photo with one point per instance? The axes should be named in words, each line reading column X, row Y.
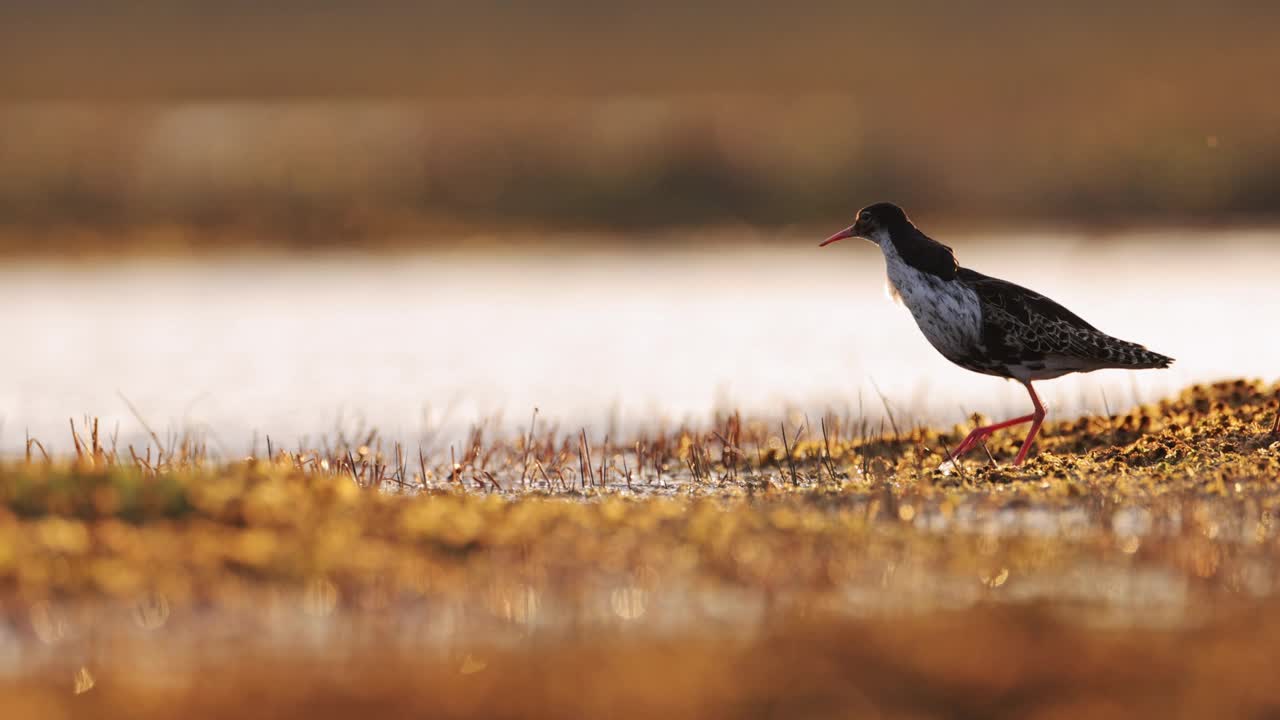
column 1132, row 355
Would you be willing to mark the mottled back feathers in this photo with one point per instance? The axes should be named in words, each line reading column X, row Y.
column 1035, row 336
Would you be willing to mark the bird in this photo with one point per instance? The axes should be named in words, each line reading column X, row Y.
column 985, row 324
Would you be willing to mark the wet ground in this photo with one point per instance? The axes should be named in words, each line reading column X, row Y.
column 1127, row 569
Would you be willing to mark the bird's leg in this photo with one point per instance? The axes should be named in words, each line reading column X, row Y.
column 979, row 434
column 1037, row 418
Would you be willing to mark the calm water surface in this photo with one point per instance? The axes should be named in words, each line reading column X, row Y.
column 295, row 348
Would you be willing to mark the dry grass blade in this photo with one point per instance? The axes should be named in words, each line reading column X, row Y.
column 955, row 461
column 75, row 439
column 795, row 479
column 604, row 459
column 888, row 411
column 33, row 442
column 138, row 416
column 588, row 470
column 826, row 448
column 528, row 444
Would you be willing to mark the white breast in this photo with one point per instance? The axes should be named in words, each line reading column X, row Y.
column 947, row 312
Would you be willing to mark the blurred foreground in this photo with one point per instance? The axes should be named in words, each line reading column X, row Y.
column 1128, row 569
column 989, row 662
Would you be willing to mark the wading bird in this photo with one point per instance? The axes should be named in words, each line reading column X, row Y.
column 988, row 325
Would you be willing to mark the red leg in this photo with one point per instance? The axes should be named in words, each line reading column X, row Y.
column 1037, row 418
column 979, row 434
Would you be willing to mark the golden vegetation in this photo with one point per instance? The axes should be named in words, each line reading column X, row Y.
column 787, row 509
column 700, row 573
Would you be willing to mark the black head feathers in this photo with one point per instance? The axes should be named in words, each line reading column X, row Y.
column 917, row 249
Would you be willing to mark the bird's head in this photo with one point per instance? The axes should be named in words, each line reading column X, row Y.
column 874, row 223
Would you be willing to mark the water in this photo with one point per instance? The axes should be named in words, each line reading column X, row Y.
column 238, row 348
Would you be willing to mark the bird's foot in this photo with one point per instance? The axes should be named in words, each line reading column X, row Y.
column 970, row 442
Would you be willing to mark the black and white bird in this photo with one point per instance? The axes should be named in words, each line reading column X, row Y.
column 988, row 325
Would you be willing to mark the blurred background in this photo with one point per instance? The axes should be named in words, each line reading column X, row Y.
column 500, row 160
column 313, row 124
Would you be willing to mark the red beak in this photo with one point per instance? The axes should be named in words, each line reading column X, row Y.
column 845, row 233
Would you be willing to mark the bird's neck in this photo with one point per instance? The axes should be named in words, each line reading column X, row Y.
column 919, row 251
column 897, row 272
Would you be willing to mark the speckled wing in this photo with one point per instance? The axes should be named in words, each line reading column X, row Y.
column 1036, row 338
